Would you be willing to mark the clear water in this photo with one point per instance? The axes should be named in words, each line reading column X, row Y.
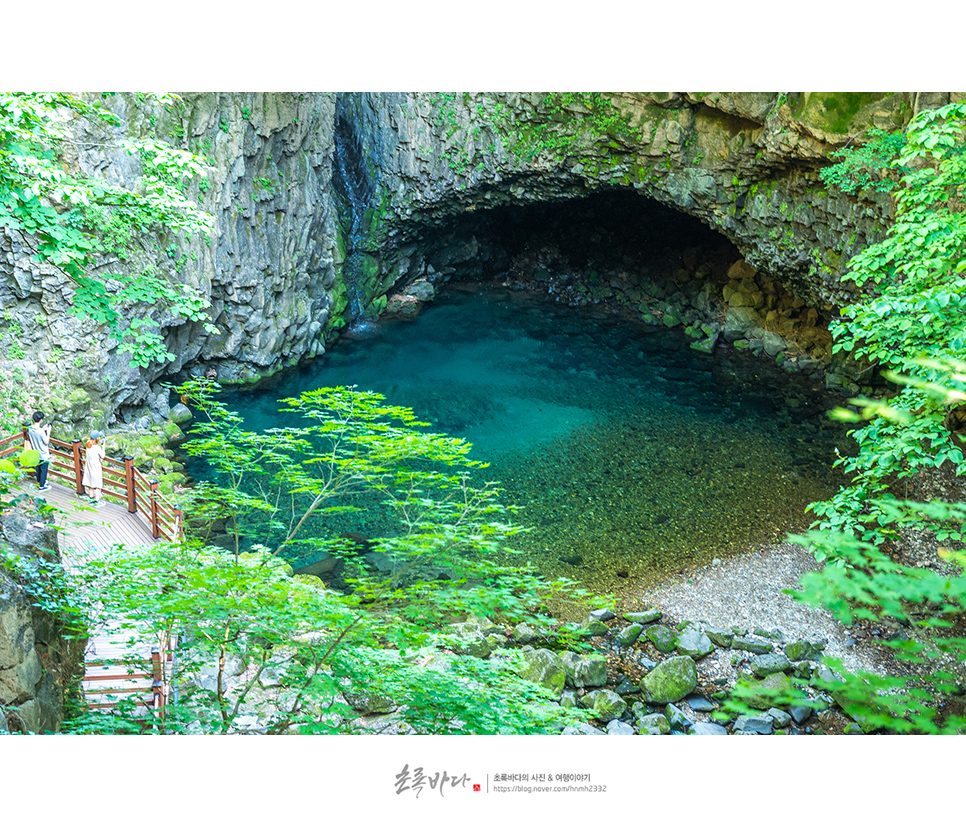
column 632, row 455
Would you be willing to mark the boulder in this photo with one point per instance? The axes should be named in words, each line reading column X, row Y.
column 608, row 705
column 693, row 642
column 180, row 414
column 662, row 637
column 544, row 667
column 643, row 617
column 671, row 680
column 628, row 635
column 767, row 664
column 654, row 724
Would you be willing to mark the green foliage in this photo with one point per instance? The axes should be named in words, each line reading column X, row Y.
column 914, row 318
column 319, row 650
column 869, row 165
column 861, row 583
column 289, row 486
column 576, row 120
column 911, row 325
column 50, row 588
column 925, row 608
column 80, row 224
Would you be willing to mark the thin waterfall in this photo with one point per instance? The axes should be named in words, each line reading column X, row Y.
column 355, row 188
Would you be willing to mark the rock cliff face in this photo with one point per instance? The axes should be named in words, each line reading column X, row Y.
column 36, row 663
column 744, row 164
column 323, row 203
column 268, row 268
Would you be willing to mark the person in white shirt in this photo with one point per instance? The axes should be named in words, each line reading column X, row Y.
column 38, row 437
column 93, row 467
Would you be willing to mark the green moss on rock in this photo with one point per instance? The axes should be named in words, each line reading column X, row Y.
column 670, row 680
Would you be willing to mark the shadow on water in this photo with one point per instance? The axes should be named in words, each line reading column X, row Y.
column 631, row 455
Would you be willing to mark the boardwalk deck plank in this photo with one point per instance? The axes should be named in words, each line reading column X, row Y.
column 81, row 528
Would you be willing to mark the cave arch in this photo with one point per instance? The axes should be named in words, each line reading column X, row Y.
column 618, row 248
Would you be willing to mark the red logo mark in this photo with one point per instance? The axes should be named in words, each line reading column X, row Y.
column 476, row 787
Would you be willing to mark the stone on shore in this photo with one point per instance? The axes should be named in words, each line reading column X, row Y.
column 707, row 728
column 672, row 680
column 608, row 705
column 544, row 667
column 628, row 635
column 584, row 670
column 767, row 664
column 755, row 724
column 643, row 617
column 662, row 637
column 693, row 642
column 751, row 644
column 653, row 724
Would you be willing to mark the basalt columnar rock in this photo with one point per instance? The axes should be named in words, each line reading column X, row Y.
column 325, row 204
column 37, row 663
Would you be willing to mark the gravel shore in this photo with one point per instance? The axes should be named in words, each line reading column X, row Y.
column 747, row 591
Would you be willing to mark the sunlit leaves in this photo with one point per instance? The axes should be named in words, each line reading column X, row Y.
column 74, row 222
column 915, row 318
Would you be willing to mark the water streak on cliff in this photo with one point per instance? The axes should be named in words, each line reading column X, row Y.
column 354, row 187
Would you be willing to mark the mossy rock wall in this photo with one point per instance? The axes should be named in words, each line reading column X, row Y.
column 745, row 164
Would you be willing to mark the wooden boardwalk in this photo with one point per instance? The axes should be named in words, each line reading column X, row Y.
column 118, row 666
column 84, row 525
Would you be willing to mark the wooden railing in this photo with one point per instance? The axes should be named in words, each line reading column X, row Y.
column 121, row 480
column 122, row 681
